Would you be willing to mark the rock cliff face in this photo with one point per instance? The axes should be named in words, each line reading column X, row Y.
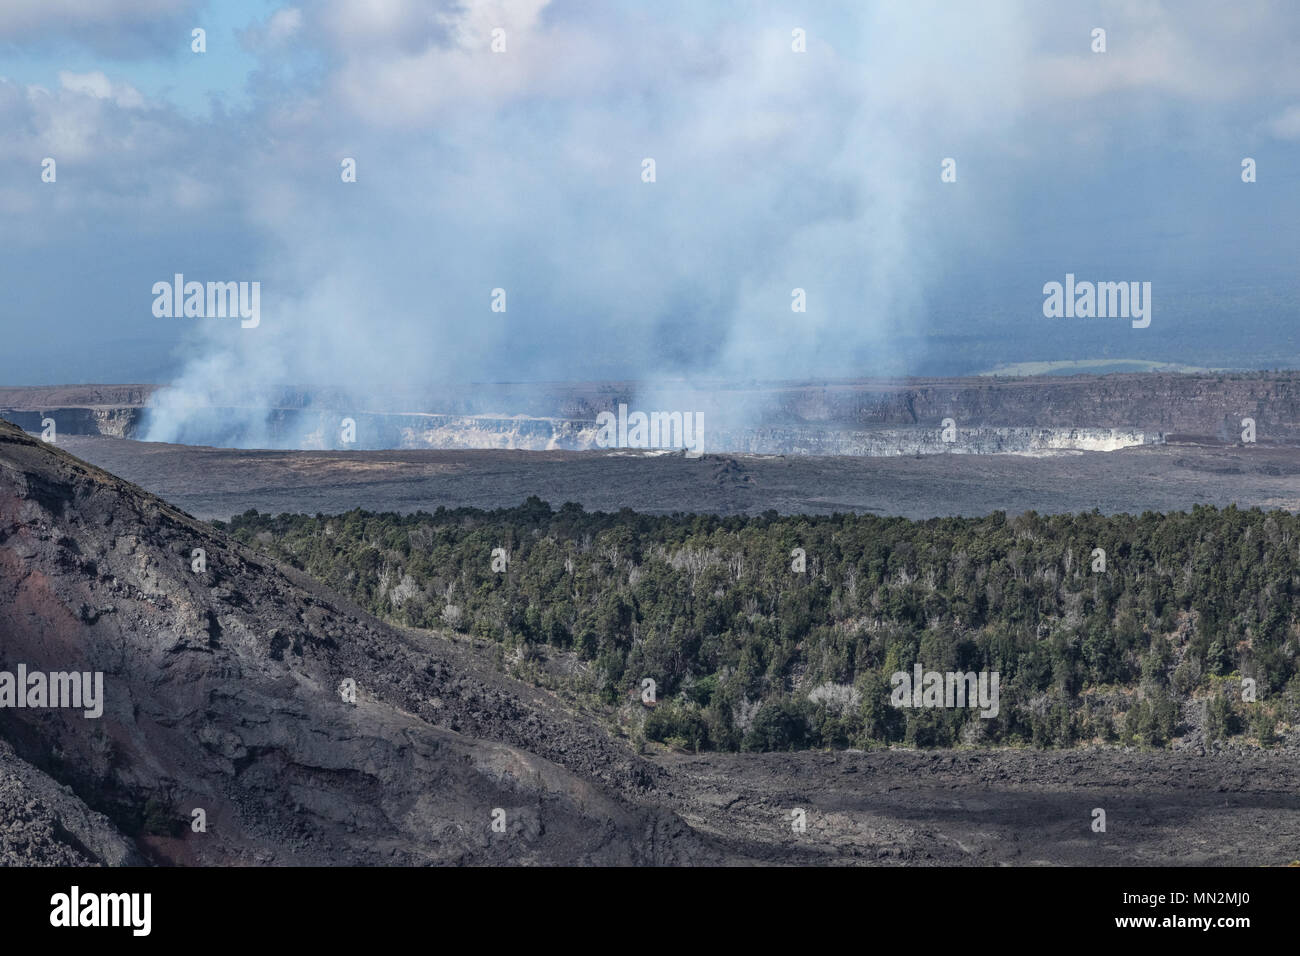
column 41, row 823
column 1001, row 416
column 892, row 442
column 226, row 691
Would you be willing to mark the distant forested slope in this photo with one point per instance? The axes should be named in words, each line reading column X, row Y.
column 748, row 653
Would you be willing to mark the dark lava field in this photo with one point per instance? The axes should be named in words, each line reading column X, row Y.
column 218, row 483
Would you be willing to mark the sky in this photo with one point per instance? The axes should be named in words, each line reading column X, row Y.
column 522, row 169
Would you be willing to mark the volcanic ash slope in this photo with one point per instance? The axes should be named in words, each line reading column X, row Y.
column 222, row 693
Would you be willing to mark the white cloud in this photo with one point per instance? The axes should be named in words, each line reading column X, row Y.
column 281, row 27
column 1200, row 50
column 1287, row 124
column 99, row 86
column 283, row 24
column 22, row 16
column 402, row 62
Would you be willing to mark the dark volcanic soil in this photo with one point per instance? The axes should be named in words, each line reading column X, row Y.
column 1004, row 807
column 222, row 693
column 218, row 483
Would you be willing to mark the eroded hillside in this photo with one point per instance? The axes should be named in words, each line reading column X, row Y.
column 222, row 693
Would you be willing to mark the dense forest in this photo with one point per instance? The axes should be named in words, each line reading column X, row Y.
column 773, row 632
